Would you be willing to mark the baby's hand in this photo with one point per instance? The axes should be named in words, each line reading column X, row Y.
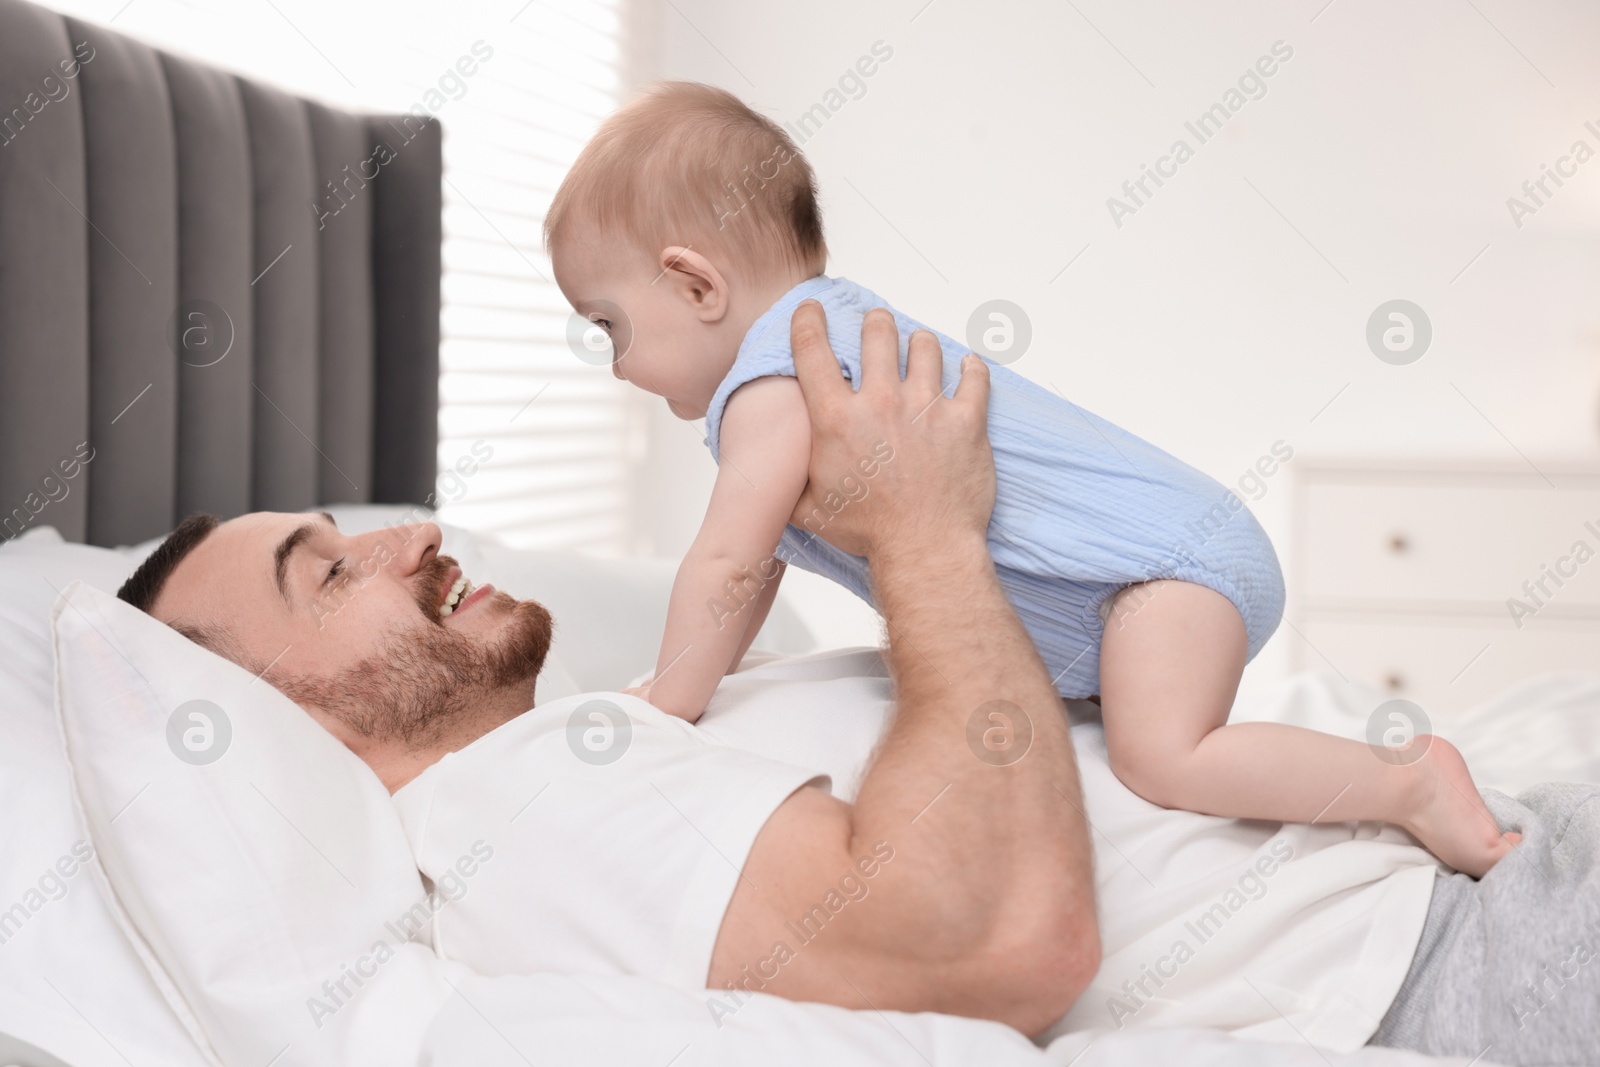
column 643, row 693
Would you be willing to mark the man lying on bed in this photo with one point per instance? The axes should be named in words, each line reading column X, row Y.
column 959, row 879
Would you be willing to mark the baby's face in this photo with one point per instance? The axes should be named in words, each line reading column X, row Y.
column 658, row 341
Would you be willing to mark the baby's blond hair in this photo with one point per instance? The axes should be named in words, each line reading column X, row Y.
column 691, row 164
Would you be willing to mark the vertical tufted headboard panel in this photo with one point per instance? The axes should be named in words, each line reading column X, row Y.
column 214, row 296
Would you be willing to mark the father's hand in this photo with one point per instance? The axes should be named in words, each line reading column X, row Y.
column 905, row 462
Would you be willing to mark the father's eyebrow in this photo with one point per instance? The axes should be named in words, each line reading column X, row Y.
column 281, row 554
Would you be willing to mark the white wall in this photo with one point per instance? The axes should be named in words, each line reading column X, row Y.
column 1226, row 313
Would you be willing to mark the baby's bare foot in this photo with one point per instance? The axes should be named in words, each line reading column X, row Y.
column 1449, row 817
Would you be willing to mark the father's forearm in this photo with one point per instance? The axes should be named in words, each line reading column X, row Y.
column 976, row 785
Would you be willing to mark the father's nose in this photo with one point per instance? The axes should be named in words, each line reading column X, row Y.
column 419, row 543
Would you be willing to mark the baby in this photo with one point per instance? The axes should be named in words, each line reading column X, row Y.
column 688, row 229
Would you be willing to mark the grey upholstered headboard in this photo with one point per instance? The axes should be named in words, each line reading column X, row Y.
column 214, row 296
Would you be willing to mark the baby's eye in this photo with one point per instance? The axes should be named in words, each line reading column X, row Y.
column 604, row 324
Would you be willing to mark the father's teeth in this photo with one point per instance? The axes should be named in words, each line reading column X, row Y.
column 458, row 589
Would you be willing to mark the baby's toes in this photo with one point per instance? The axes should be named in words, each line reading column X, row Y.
column 1502, row 849
column 1492, row 850
column 1504, row 845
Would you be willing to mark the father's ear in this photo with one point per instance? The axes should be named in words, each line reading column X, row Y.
column 696, row 279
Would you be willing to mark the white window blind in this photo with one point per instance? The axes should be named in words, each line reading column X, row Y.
column 557, row 429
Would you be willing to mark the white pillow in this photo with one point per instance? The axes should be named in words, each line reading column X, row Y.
column 248, row 854
column 69, row 981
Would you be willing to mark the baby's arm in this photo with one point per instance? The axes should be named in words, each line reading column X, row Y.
column 759, row 611
column 725, row 580
column 1170, row 664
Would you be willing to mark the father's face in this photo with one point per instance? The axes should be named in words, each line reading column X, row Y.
column 352, row 627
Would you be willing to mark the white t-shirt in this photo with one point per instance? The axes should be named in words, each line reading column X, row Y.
column 1272, row 931
column 593, row 834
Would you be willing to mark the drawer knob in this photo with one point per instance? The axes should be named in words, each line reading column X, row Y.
column 1394, row 682
column 1399, row 543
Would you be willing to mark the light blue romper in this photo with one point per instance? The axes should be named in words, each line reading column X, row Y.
column 1082, row 507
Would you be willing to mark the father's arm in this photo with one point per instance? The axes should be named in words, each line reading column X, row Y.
column 986, row 908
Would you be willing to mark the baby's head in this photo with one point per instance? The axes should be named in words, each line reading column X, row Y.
column 682, row 221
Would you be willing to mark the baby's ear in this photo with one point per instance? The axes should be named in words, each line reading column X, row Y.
column 696, row 279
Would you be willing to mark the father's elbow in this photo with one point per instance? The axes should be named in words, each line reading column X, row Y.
column 1049, row 971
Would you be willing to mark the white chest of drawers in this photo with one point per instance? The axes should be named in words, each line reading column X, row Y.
column 1444, row 582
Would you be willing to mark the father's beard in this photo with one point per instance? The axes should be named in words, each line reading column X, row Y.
column 429, row 684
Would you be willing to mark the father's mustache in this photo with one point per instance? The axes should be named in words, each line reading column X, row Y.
column 428, row 588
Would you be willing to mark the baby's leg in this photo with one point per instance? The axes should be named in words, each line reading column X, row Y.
column 1169, row 669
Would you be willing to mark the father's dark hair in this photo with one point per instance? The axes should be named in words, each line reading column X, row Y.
column 142, row 589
